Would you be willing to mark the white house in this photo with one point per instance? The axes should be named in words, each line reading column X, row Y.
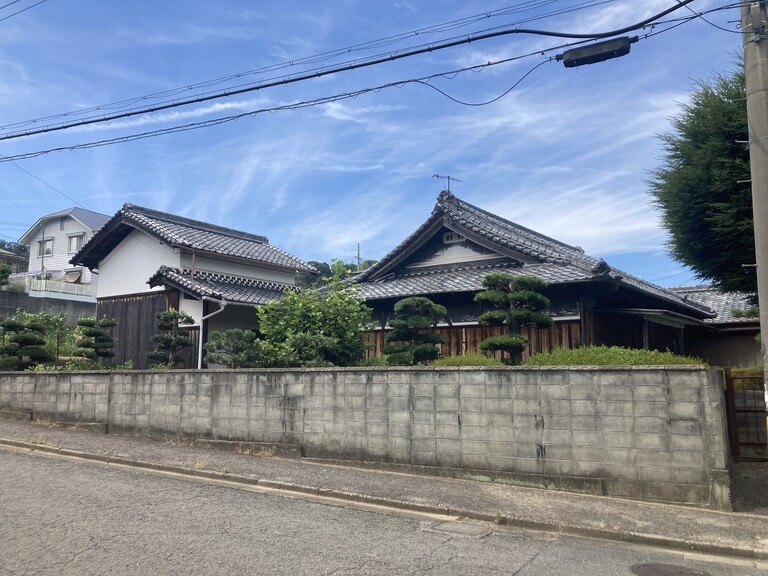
column 148, row 261
column 53, row 240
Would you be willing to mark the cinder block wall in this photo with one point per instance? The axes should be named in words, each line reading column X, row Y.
column 639, row 432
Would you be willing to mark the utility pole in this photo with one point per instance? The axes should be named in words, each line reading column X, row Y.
column 755, row 39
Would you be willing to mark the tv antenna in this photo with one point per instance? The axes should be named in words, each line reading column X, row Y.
column 448, row 179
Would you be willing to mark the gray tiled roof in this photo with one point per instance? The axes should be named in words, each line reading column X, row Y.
column 723, row 303
column 89, row 218
column 233, row 289
column 185, row 233
column 529, row 252
column 209, row 237
column 462, row 278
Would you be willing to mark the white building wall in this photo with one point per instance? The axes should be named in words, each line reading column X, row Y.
column 132, row 262
column 237, row 269
column 192, row 307
column 59, row 230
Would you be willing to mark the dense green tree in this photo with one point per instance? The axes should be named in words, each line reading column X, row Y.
column 15, row 247
column 337, row 269
column 5, row 273
column 514, row 302
column 94, row 338
column 237, row 348
column 703, row 187
column 409, row 341
column 23, row 344
column 316, row 327
column 171, row 339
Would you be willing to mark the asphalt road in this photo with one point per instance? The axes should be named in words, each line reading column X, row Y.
column 65, row 516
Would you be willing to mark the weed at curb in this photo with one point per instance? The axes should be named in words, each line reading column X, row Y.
column 178, row 441
column 40, row 441
column 200, row 464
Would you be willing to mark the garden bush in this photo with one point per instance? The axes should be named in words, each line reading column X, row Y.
column 467, row 360
column 609, row 356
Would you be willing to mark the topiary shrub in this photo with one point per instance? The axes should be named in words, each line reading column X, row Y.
column 409, row 343
column 514, row 302
column 172, row 340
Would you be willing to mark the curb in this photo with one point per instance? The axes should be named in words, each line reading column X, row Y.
column 668, row 543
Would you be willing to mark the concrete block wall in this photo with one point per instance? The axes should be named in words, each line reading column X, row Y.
column 639, row 432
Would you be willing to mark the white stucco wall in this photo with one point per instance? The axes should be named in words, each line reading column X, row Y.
column 128, row 267
column 192, row 307
column 238, row 269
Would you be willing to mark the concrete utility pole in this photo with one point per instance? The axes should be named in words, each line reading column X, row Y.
column 755, row 37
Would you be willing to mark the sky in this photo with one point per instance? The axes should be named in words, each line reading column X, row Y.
column 565, row 151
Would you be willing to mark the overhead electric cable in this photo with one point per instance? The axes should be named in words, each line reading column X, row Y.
column 326, row 100
column 4, row 159
column 23, row 10
column 324, row 56
column 273, row 110
column 333, row 70
column 9, row 4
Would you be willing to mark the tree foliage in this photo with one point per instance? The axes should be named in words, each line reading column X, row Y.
column 94, row 338
column 703, row 187
column 409, row 343
column 237, row 348
column 15, row 247
column 514, row 302
column 315, row 328
column 23, row 344
column 171, row 339
column 337, row 269
column 5, row 273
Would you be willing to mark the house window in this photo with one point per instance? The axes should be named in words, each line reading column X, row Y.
column 62, row 222
column 75, row 243
column 45, row 247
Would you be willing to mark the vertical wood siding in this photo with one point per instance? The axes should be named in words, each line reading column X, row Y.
column 136, row 323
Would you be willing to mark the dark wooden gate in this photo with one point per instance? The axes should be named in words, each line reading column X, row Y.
column 745, row 410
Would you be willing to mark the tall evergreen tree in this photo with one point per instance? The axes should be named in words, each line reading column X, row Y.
column 703, row 189
column 514, row 302
column 172, row 339
column 409, row 342
column 94, row 338
column 23, row 344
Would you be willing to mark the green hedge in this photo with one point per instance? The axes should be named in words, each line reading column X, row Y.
column 467, row 360
column 609, row 356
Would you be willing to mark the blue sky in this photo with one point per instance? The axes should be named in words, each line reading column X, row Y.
column 567, row 152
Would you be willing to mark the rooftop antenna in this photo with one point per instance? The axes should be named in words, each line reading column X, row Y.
column 448, row 178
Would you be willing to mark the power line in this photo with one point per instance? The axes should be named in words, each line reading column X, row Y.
column 7, row 159
column 9, row 4
column 325, row 100
column 273, row 110
column 20, row 11
column 343, row 68
column 324, row 56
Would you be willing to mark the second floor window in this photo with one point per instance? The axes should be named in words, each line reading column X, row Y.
column 45, row 248
column 75, row 243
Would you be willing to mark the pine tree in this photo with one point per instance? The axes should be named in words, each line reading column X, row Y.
column 171, row 340
column 514, row 302
column 409, row 343
column 94, row 338
column 23, row 344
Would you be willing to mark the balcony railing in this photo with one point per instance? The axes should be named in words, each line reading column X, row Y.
column 58, row 286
